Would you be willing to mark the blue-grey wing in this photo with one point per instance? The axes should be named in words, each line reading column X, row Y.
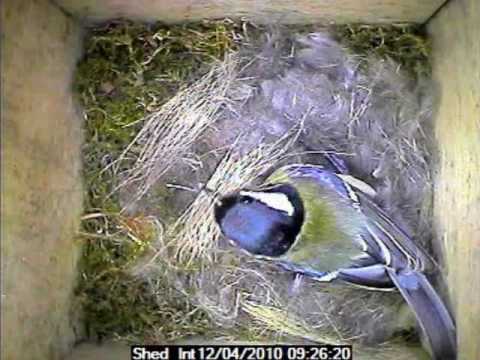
column 303, row 270
column 323, row 177
column 400, row 249
column 337, row 163
column 385, row 240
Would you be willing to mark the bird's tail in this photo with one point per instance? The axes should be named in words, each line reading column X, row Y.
column 430, row 311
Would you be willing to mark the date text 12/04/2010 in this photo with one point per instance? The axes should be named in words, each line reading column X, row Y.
column 241, row 352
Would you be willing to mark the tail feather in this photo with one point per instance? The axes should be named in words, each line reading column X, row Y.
column 430, row 311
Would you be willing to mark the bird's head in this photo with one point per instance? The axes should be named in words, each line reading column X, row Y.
column 264, row 223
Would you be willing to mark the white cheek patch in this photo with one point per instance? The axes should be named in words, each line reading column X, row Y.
column 276, row 201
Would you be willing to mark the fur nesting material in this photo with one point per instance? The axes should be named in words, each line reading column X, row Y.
column 364, row 109
column 377, row 117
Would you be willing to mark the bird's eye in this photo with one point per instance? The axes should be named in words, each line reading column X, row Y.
column 246, row 200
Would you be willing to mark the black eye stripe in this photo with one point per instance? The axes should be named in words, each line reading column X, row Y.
column 246, row 199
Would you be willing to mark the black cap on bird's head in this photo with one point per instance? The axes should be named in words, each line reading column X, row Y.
column 263, row 222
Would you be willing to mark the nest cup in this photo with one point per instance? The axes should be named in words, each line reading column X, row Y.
column 279, row 95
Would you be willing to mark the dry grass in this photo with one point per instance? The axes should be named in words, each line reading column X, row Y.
column 282, row 322
column 167, row 134
column 128, row 72
column 192, row 239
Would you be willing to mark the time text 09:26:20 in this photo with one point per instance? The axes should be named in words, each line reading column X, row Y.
column 242, row 352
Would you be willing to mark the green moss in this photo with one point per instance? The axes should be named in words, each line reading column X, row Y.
column 128, row 71
column 404, row 43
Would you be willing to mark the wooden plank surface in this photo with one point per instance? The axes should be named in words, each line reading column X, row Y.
column 456, row 63
column 285, row 11
column 41, row 183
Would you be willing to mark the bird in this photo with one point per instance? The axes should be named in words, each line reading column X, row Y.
column 321, row 222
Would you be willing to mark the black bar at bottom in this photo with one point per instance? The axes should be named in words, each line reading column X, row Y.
column 241, row 352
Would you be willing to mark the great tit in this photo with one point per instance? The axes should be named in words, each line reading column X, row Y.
column 325, row 224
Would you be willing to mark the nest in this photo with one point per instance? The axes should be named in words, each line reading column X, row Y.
column 278, row 96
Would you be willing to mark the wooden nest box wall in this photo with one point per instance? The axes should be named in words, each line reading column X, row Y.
column 41, row 146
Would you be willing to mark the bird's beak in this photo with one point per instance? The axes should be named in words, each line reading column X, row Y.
column 213, row 195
